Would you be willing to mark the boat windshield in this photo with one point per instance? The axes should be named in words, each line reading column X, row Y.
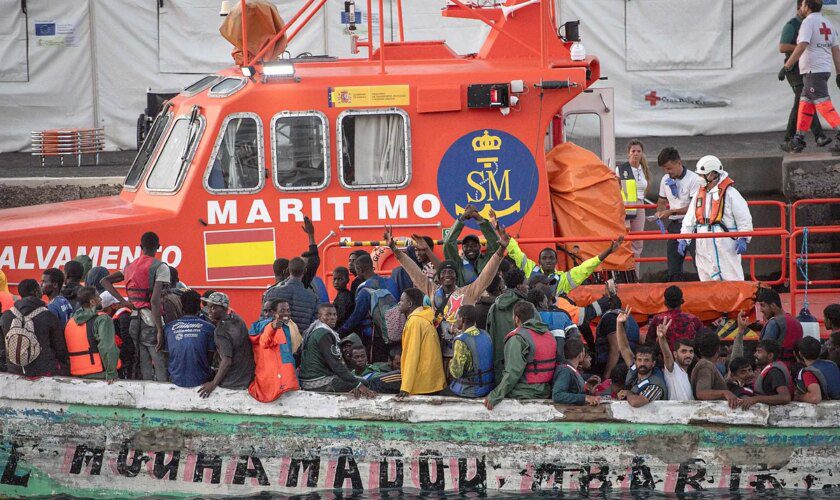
column 144, row 155
column 175, row 155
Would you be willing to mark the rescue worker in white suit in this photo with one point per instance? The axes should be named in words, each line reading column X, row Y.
column 718, row 208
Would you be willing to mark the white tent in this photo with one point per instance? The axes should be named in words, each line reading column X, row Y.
column 83, row 63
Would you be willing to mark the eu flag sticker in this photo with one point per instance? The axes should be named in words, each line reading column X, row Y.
column 44, row 29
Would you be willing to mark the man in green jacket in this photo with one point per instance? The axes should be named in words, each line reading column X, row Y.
column 103, row 332
column 321, row 365
column 468, row 267
column 500, row 320
column 530, row 359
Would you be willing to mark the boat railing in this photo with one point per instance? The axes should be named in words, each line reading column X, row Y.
column 801, row 259
column 751, row 258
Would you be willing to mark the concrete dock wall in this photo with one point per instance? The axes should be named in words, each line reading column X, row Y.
column 92, row 439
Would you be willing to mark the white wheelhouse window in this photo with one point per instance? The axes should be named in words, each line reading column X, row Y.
column 147, row 150
column 300, row 152
column 374, row 148
column 171, row 165
column 227, row 87
column 201, row 85
column 237, row 164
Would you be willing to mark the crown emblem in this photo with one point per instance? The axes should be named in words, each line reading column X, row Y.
column 487, row 142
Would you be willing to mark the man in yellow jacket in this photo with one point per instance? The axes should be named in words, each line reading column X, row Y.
column 421, row 361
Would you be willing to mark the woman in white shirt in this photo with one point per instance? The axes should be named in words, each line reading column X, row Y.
column 641, row 173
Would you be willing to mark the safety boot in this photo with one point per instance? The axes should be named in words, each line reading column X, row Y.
column 797, row 144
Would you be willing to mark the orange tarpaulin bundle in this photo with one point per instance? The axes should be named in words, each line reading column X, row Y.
column 707, row 300
column 586, row 200
column 263, row 22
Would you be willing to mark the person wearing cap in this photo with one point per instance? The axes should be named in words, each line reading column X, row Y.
column 236, row 368
column 473, row 261
column 447, row 296
column 121, row 317
column 347, row 345
column 189, row 340
column 717, row 207
column 91, row 340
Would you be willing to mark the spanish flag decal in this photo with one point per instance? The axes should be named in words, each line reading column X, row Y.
column 239, row 254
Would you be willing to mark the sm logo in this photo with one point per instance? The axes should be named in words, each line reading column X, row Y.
column 491, row 170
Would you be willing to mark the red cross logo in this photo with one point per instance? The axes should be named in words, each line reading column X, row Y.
column 825, row 31
column 652, row 98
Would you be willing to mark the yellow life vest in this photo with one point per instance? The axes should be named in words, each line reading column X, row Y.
column 628, row 187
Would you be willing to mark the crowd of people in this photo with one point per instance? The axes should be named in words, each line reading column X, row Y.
column 486, row 322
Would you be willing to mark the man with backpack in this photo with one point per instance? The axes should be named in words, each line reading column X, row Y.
column 33, row 342
column 374, row 298
column 145, row 278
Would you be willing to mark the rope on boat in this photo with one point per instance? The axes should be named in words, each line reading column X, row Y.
column 802, row 264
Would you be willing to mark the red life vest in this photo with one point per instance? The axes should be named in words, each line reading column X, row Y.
column 140, row 279
column 542, row 355
column 793, row 333
column 758, row 385
column 7, row 301
column 83, row 348
column 716, row 212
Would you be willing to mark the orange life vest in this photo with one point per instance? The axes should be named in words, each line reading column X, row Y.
column 575, row 312
column 83, row 348
column 275, row 365
column 717, row 208
column 7, row 301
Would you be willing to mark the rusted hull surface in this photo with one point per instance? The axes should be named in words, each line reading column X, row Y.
column 106, row 447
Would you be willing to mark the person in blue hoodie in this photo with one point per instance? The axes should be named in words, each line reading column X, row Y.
column 360, row 320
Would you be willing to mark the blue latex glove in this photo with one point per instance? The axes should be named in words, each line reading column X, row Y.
column 672, row 183
column 681, row 247
column 741, row 246
column 661, row 226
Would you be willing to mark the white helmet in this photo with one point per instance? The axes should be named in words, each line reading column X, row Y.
column 708, row 164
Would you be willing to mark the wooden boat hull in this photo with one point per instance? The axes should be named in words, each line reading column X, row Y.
column 146, row 438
